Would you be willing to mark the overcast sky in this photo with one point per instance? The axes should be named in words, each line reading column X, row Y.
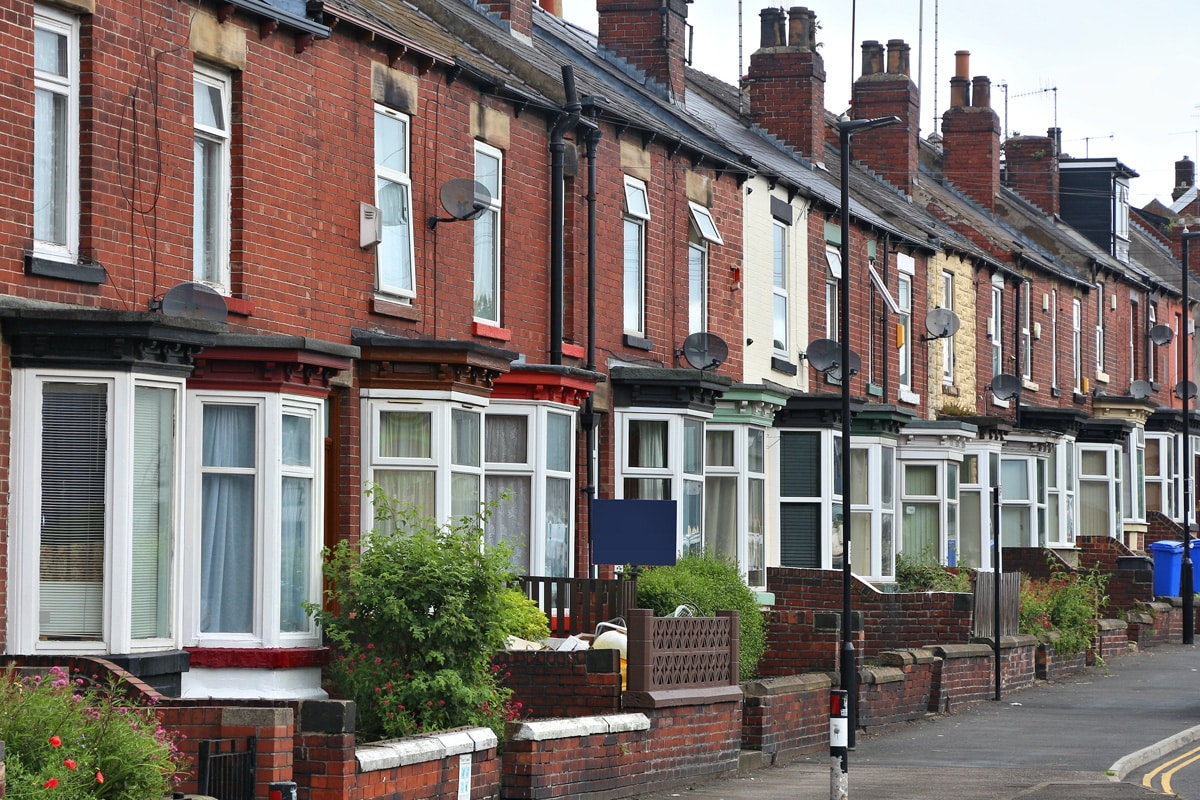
column 1122, row 79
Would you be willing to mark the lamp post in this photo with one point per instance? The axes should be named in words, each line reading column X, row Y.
column 1185, row 396
column 846, row 129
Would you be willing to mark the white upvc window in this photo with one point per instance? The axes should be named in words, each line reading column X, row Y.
column 1022, row 501
column 661, row 457
column 1151, row 348
column 872, row 509
column 1134, row 490
column 1026, row 335
column 212, row 145
column 1161, row 471
column 1054, row 338
column 424, row 452
column 1077, row 345
column 833, row 259
column 489, row 171
column 529, row 452
column 976, row 474
column 948, row 352
column 637, row 214
column 697, row 286
column 394, row 260
column 996, row 327
column 734, row 497
column 1100, row 495
column 1060, row 494
column 1100, row 337
column 810, row 502
column 906, row 266
column 256, row 508
column 96, row 512
column 56, row 134
column 929, row 499
column 779, row 288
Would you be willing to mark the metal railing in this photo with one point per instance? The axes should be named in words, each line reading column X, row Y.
column 224, row 771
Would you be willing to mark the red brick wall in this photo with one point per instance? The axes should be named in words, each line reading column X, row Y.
column 562, row 684
column 786, row 716
column 890, row 695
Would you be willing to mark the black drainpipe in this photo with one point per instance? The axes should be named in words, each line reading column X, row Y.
column 588, row 418
column 558, row 146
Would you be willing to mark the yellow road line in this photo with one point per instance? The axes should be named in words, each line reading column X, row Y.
column 1169, row 768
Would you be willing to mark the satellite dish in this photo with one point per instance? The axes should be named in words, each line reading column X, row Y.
column 1005, row 386
column 855, row 366
column 194, row 301
column 1185, row 386
column 704, row 350
column 823, row 354
column 1161, row 334
column 1140, row 390
column 941, row 322
column 463, row 199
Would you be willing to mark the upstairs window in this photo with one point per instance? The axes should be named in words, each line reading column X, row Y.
column 701, row 233
column 393, row 196
column 489, row 164
column 779, row 288
column 948, row 354
column 1100, row 327
column 637, row 214
column 1026, row 337
column 211, row 177
column 56, row 134
column 1077, row 345
column 833, row 259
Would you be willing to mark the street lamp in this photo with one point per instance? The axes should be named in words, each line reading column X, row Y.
column 1185, row 392
column 846, row 129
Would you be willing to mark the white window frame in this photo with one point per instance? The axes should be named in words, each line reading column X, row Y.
column 1026, row 332
column 24, row 617
column 781, row 266
column 1109, row 480
column 879, row 506
column 1077, row 345
column 1028, row 500
column 269, row 471
column 1151, row 348
column 1100, row 333
column 749, row 545
column 1133, row 452
column 388, row 279
column 637, row 215
column 943, row 470
column 1054, row 339
column 538, row 470
column 1164, row 475
column 215, row 274
column 827, row 500
column 64, row 86
column 489, row 279
column 1060, row 494
column 948, row 351
column 906, row 266
column 697, row 286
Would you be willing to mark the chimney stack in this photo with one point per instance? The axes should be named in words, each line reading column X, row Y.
column 650, row 35
column 1185, row 177
column 1031, row 168
column 786, row 82
column 971, row 137
column 890, row 151
column 517, row 14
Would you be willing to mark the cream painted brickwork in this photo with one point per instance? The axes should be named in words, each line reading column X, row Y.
column 757, row 284
column 964, row 341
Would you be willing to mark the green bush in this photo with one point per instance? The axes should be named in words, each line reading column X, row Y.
column 522, row 617
column 421, row 609
column 66, row 737
column 710, row 583
column 924, row 574
column 1068, row 602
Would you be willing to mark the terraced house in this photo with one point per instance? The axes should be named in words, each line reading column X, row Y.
column 262, row 254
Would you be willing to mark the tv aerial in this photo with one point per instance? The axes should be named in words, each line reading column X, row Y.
column 704, row 351
column 1005, row 387
column 463, row 199
column 941, row 323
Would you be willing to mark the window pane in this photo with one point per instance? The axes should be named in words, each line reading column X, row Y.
column 229, row 436
column 633, row 255
column 919, row 531
column 757, row 451
column 755, row 540
column 888, row 476
column 464, row 495
column 1014, row 479
column 970, row 538
column 718, row 448
column 779, row 329
column 50, row 52
column 862, row 552
column 636, row 202
column 648, row 488
column 559, row 431
column 487, row 267
column 507, row 438
column 920, row 479
column 510, row 519
column 799, row 464
column 50, row 160
column 405, row 434
column 1093, row 462
column 720, row 516
column 1152, row 457
column 227, row 518
column 391, row 143
column 394, row 251
column 697, row 267
column 647, row 443
column 693, row 446
column 208, row 106
column 859, row 477
column 407, row 487
column 464, row 439
column 297, row 440
column 153, row 510
column 487, row 172
column 692, row 509
column 207, row 209
column 558, row 521
column 73, row 510
column 296, row 543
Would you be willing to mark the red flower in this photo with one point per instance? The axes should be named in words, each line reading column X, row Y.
column 50, row 784
column 69, row 763
column 55, row 741
column 99, row 776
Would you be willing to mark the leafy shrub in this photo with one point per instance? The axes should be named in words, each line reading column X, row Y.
column 1068, row 602
column 420, row 612
column 710, row 583
column 66, row 737
column 924, row 574
column 522, row 617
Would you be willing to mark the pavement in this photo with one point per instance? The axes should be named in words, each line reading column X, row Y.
column 1077, row 738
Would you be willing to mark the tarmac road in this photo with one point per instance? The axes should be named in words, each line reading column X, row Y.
column 1074, row 739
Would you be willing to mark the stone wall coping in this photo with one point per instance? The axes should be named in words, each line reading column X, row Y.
column 666, row 698
column 904, row 658
column 1009, row 642
column 1111, row 624
column 877, row 675
column 1139, row 618
column 1158, row 607
column 786, row 684
column 947, row 651
column 544, row 730
column 420, row 749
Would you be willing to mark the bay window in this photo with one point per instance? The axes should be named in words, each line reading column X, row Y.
column 734, row 497
column 1100, row 496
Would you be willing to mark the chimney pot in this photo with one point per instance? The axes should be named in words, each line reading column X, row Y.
column 800, row 32
column 962, row 64
column 897, row 57
column 1185, row 177
column 872, row 57
column 981, row 92
column 771, row 25
column 960, row 92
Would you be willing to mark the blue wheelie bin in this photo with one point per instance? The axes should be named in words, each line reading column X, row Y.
column 1167, row 556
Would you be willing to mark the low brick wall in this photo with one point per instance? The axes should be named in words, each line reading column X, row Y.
column 1149, row 625
column 786, row 716
column 965, row 676
column 1052, row 665
column 899, row 689
column 550, row 683
column 1112, row 640
column 428, row 767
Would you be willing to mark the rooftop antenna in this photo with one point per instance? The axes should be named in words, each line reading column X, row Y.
column 741, row 72
column 1086, row 141
column 1194, row 134
column 936, row 119
column 1029, row 94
